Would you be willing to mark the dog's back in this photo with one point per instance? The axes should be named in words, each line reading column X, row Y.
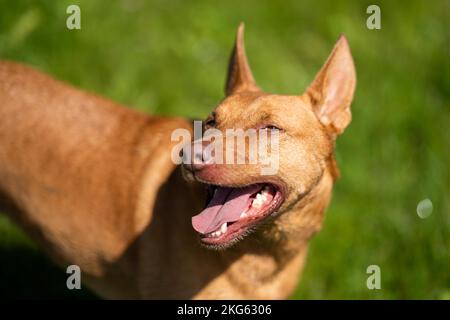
column 77, row 171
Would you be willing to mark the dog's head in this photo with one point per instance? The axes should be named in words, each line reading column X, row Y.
column 293, row 146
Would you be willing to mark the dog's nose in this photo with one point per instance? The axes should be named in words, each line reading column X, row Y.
column 200, row 155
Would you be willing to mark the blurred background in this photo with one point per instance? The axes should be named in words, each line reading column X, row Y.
column 169, row 57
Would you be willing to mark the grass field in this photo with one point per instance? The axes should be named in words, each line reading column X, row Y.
column 169, row 57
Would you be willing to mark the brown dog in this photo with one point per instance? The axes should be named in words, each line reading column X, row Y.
column 93, row 182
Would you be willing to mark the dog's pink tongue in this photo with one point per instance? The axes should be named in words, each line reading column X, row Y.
column 226, row 205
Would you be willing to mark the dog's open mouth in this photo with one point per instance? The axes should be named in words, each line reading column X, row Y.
column 231, row 212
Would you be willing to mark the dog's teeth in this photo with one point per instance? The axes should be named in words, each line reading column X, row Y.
column 259, row 197
column 223, row 228
column 243, row 215
column 257, row 203
column 264, row 197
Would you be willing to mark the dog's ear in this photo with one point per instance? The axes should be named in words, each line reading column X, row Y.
column 239, row 76
column 331, row 92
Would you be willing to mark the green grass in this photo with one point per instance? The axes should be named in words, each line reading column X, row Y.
column 169, row 57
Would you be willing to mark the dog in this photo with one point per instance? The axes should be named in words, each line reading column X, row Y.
column 94, row 183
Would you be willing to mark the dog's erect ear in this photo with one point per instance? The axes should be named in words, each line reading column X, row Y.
column 240, row 76
column 331, row 92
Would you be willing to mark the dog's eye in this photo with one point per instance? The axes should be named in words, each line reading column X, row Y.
column 271, row 127
column 210, row 122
